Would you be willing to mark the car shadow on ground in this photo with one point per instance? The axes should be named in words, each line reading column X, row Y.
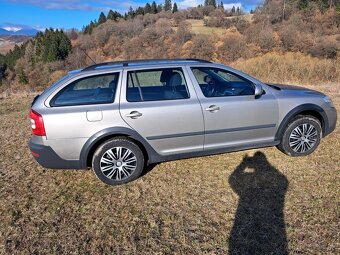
column 259, row 225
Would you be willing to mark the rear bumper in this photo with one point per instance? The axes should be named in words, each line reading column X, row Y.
column 47, row 157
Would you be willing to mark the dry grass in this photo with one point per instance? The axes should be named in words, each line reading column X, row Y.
column 198, row 27
column 180, row 207
column 291, row 67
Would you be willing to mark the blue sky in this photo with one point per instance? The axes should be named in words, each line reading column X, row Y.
column 76, row 13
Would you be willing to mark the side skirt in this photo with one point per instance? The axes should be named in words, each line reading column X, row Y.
column 159, row 158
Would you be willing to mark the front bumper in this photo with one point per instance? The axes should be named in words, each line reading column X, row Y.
column 47, row 157
column 331, row 119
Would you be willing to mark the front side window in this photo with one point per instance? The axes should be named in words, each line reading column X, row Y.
column 215, row 82
column 98, row 89
column 156, row 84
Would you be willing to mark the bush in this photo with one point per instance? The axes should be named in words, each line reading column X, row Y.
column 202, row 47
column 327, row 48
column 233, row 47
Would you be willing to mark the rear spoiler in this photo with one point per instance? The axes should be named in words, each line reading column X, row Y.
column 34, row 99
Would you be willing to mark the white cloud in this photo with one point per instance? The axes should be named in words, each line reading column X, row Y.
column 229, row 6
column 189, row 3
column 193, row 3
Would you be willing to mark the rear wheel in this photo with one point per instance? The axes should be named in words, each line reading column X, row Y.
column 118, row 161
column 301, row 137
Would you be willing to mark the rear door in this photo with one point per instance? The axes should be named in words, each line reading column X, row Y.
column 83, row 107
column 162, row 106
column 233, row 116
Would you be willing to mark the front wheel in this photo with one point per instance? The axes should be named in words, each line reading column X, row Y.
column 118, row 161
column 301, row 137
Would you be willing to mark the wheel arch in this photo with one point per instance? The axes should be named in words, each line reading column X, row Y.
column 94, row 141
column 306, row 110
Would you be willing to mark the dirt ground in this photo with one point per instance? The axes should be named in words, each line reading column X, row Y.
column 250, row 202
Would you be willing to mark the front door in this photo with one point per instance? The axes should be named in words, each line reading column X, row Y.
column 233, row 116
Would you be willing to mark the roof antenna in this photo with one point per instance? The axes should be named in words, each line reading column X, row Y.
column 88, row 56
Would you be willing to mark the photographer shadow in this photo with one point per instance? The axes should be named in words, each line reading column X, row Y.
column 259, row 226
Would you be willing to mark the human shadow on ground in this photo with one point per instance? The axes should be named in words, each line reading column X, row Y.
column 259, row 225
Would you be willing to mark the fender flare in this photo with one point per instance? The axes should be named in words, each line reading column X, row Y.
column 295, row 111
column 118, row 131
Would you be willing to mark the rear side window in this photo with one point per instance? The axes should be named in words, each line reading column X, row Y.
column 98, row 89
column 156, row 84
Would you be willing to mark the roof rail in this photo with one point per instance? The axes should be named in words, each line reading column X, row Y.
column 127, row 62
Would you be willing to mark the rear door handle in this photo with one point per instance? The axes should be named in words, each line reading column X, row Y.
column 213, row 108
column 134, row 115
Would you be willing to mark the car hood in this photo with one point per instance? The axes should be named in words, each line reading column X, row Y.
column 293, row 88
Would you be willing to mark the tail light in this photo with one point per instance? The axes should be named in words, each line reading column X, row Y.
column 37, row 123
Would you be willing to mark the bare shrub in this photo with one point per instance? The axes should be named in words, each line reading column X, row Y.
column 149, row 19
column 202, row 47
column 261, row 36
column 215, row 19
column 164, row 27
column 76, row 59
column 178, row 17
column 233, row 47
column 183, row 33
column 325, row 47
column 195, row 13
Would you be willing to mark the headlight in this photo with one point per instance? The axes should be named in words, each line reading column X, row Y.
column 328, row 100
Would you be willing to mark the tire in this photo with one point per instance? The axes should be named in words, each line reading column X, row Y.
column 301, row 137
column 118, row 161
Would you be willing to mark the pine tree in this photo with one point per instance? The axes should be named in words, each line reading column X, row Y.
column 154, row 7
column 167, row 5
column 175, row 8
column 102, row 18
column 233, row 10
column 221, row 6
column 22, row 76
column 110, row 15
column 159, row 8
column 210, row 3
column 147, row 8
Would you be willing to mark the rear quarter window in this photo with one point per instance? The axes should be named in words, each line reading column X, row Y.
column 98, row 89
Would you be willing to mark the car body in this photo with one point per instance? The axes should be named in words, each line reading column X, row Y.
column 170, row 109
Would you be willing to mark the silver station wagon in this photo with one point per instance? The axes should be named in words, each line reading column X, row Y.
column 120, row 117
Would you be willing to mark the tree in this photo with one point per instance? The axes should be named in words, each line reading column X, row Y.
column 147, row 8
column 167, row 5
column 233, row 10
column 154, row 7
column 110, row 15
column 22, row 76
column 159, row 8
column 221, row 6
column 102, row 18
column 175, row 8
column 210, row 3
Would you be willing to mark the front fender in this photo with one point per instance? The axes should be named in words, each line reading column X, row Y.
column 297, row 110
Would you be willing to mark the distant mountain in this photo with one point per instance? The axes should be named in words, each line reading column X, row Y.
column 4, row 31
column 27, row 31
column 23, row 31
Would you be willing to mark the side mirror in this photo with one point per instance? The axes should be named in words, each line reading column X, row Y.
column 258, row 90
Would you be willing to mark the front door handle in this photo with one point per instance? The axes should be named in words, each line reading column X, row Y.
column 213, row 108
column 134, row 114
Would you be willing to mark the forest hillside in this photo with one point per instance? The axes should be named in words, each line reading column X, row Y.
column 281, row 41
